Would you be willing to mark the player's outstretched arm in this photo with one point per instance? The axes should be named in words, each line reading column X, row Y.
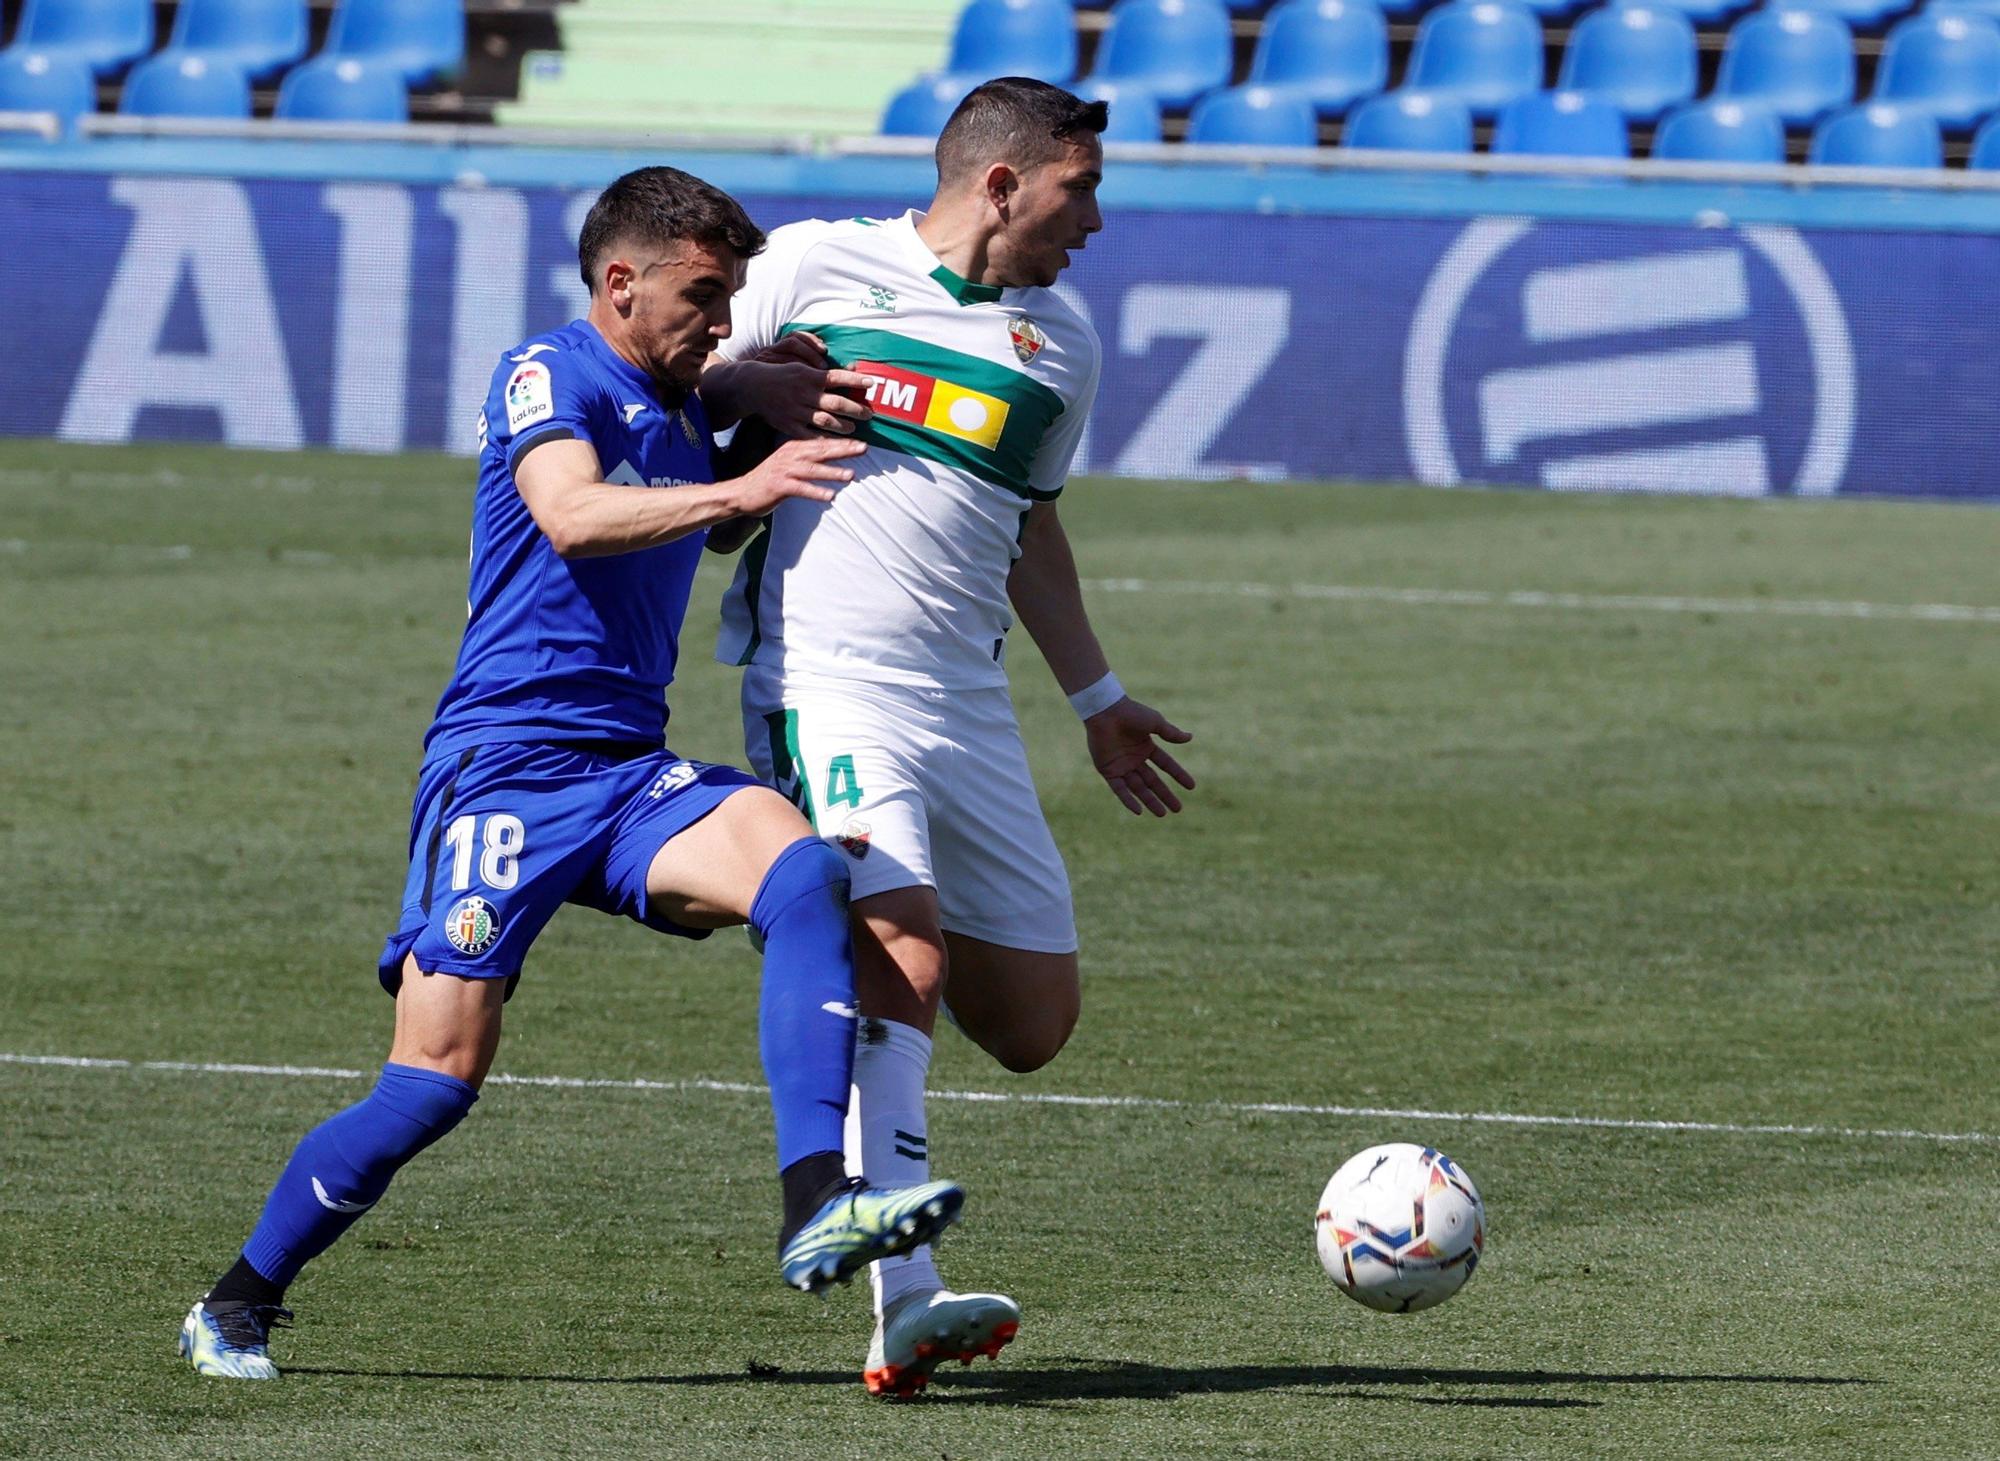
column 789, row 385
column 584, row 516
column 1124, row 735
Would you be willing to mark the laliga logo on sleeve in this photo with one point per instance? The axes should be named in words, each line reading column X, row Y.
column 529, row 396
column 472, row 926
column 1538, row 354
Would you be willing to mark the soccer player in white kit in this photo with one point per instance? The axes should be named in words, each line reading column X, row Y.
column 872, row 628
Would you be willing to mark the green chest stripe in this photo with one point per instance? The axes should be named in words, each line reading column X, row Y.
column 915, row 415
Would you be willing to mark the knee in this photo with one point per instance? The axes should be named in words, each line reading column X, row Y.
column 1033, row 1038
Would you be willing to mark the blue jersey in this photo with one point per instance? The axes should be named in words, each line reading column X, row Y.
column 582, row 649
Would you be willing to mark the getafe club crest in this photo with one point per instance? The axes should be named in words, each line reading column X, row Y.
column 472, row 925
column 1027, row 337
column 853, row 839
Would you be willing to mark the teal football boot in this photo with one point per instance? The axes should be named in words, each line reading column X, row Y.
column 230, row 1339
column 861, row 1224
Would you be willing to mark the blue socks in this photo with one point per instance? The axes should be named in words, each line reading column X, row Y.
column 805, row 1020
column 343, row 1166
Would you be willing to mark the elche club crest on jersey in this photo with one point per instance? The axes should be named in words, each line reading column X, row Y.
column 853, row 839
column 472, row 925
column 1027, row 337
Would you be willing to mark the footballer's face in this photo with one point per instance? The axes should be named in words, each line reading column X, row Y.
column 1050, row 214
column 673, row 303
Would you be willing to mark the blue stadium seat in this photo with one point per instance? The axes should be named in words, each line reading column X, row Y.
column 1986, row 147
column 423, row 39
column 259, row 35
column 1410, row 121
column 186, row 84
column 1798, row 63
column 1987, row 8
column 342, row 89
column 1176, row 49
column 45, row 81
column 1720, row 131
column 1860, row 14
column 1561, row 124
column 1135, row 115
column 1328, row 51
column 1705, row 12
column 1484, row 52
column 1947, row 63
column 1260, row 116
column 107, row 34
column 923, row 107
column 1879, row 135
column 1640, row 58
column 1015, row 38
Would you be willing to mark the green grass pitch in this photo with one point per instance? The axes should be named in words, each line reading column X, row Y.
column 1626, row 856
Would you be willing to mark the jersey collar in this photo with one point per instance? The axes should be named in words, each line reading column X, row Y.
column 956, row 285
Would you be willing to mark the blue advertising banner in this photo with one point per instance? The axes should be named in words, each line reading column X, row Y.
column 1751, row 360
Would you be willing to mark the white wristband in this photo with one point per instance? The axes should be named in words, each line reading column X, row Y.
column 1094, row 698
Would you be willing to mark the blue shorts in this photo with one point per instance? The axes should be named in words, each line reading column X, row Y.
column 501, row 836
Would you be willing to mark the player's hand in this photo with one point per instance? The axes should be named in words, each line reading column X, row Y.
column 796, row 469
column 800, row 395
column 1123, row 748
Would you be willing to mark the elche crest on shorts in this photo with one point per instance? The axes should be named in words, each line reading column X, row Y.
column 472, row 926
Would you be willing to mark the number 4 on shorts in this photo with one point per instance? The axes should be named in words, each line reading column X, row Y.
column 842, row 789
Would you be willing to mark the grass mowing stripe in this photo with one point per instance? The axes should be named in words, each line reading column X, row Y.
column 1050, row 1098
column 1540, row 599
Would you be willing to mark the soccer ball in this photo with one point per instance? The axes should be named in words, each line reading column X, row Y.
column 1400, row 1227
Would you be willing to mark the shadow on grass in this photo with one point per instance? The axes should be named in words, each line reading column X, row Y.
column 1083, row 1379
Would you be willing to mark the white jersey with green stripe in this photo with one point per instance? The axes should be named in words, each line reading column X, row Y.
column 980, row 395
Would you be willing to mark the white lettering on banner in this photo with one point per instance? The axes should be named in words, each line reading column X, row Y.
column 371, row 344
column 1079, row 461
column 490, row 277
column 1242, row 331
column 200, row 230
column 565, row 280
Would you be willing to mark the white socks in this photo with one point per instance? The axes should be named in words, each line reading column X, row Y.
column 887, row 1140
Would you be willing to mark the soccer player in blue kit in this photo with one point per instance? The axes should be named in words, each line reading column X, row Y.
column 545, row 778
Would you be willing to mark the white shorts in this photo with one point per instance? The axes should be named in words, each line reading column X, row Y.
column 918, row 788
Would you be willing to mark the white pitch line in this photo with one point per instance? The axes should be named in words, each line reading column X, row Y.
column 1539, row 599
column 1031, row 1098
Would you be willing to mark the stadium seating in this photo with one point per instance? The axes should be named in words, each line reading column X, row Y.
column 1176, row 49
column 1879, row 134
column 1329, row 51
column 1015, row 38
column 1703, row 12
column 1860, row 14
column 1988, row 8
column 342, row 89
column 1410, row 121
column 1638, row 57
column 923, row 107
column 107, row 35
column 423, row 39
column 1135, row 116
column 1484, row 52
column 1948, row 64
column 186, row 84
column 45, row 81
column 1797, row 63
column 1260, row 116
column 1720, row 131
column 1561, row 124
column 1986, row 147
column 261, row 36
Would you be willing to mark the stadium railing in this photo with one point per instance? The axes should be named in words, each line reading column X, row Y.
column 1255, row 159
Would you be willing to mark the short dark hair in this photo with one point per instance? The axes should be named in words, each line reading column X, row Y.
column 661, row 205
column 1015, row 120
